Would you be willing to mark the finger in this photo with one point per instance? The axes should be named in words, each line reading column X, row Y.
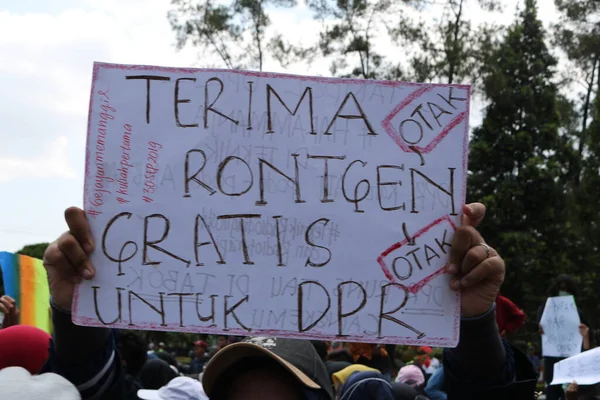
column 10, row 299
column 474, row 256
column 455, row 284
column 452, row 269
column 75, row 255
column 491, row 268
column 79, row 227
column 7, row 304
column 53, row 257
column 3, row 309
column 473, row 214
column 464, row 238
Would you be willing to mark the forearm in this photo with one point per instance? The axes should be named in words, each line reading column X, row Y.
column 586, row 343
column 74, row 343
column 85, row 356
column 480, row 354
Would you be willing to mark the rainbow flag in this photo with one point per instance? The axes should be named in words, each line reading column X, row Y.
column 25, row 280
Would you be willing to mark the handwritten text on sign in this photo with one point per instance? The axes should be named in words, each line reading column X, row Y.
column 255, row 203
column 583, row 368
column 560, row 322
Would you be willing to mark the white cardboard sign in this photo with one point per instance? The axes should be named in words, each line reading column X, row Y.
column 583, row 368
column 560, row 321
column 255, row 203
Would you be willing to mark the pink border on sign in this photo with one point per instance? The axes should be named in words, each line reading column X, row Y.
column 435, row 341
column 445, row 342
column 397, row 245
column 387, row 122
column 416, row 287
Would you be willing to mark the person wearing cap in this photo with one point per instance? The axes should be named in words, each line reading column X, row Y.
column 267, row 368
column 18, row 383
column 24, row 346
column 482, row 366
column 367, row 385
column 200, row 357
column 181, row 388
column 340, row 377
column 411, row 375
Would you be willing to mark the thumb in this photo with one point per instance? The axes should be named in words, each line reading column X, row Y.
column 473, row 214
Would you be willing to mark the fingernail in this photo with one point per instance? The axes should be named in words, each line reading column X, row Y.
column 452, row 268
column 464, row 282
column 454, row 284
column 88, row 248
column 87, row 274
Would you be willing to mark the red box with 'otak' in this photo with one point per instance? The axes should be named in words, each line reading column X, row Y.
column 427, row 116
column 415, row 262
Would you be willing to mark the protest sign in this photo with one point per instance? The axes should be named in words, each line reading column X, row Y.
column 583, row 368
column 255, row 203
column 560, row 322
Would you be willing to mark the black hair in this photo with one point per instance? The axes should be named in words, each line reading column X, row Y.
column 340, row 355
column 225, row 383
column 168, row 358
column 321, row 348
column 133, row 350
column 563, row 280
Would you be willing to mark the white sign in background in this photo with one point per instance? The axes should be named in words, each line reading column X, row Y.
column 257, row 203
column 583, row 368
column 560, row 322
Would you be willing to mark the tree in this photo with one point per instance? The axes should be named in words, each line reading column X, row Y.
column 237, row 32
column 515, row 161
column 350, row 33
column 449, row 49
column 578, row 35
column 587, row 223
column 34, row 250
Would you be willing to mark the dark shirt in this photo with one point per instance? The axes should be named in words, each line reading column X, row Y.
column 197, row 365
column 483, row 366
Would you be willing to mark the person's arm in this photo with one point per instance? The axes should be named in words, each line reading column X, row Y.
column 482, row 366
column 584, row 330
column 480, row 354
column 83, row 355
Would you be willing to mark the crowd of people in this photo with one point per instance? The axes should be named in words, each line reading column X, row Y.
column 79, row 362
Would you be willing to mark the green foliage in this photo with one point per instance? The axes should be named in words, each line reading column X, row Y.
column 34, row 250
column 451, row 49
column 352, row 34
column 515, row 161
column 235, row 32
column 535, row 158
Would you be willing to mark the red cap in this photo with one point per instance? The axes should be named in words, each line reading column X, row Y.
column 201, row 343
column 24, row 346
column 425, row 350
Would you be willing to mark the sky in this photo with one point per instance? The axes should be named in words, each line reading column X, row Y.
column 47, row 49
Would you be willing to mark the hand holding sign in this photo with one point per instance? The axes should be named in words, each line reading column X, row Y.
column 67, row 259
column 244, row 203
column 68, row 263
column 478, row 269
